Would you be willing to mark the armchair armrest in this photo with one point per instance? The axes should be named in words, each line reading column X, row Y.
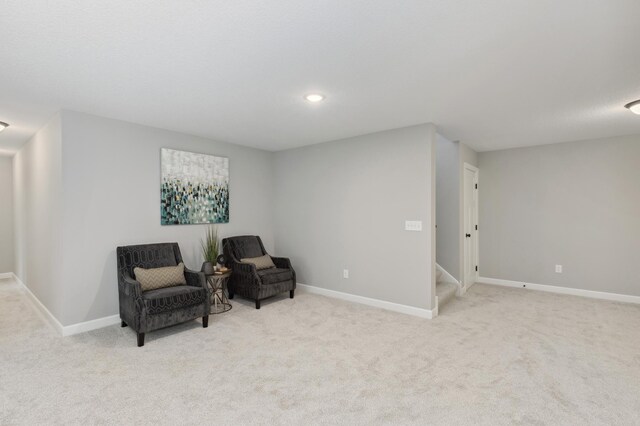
column 198, row 279
column 130, row 298
column 195, row 278
column 246, row 272
column 282, row 262
column 285, row 263
column 130, row 287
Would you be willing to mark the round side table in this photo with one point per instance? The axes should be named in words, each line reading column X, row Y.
column 217, row 287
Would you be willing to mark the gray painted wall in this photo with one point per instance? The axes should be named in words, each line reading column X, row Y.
column 6, row 214
column 342, row 205
column 576, row 204
column 111, row 180
column 448, row 206
column 86, row 184
column 37, row 176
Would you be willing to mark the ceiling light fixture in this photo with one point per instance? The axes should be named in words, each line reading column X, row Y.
column 3, row 125
column 314, row 97
column 634, row 107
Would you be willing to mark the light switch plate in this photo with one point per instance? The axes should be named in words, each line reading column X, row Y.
column 413, row 225
column 558, row 269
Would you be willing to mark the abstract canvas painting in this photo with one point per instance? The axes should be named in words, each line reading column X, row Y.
column 194, row 189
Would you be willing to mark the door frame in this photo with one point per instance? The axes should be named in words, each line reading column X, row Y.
column 476, row 171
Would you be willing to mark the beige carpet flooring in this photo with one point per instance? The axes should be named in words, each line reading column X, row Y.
column 497, row 356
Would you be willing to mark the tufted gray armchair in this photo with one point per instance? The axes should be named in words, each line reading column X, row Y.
column 150, row 310
column 249, row 282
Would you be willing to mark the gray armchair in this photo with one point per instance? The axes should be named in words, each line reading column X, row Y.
column 150, row 310
column 246, row 280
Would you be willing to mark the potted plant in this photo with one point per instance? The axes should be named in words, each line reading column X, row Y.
column 210, row 250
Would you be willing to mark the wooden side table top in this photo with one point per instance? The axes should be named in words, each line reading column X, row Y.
column 219, row 275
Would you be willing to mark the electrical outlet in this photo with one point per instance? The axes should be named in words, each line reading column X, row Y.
column 413, row 225
column 558, row 269
column 345, row 273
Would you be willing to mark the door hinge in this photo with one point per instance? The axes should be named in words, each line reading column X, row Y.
column 476, row 227
column 476, row 186
column 476, row 268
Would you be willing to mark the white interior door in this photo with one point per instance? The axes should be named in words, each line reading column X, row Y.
column 470, row 224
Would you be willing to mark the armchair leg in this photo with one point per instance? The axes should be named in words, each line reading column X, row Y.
column 205, row 321
column 257, row 304
column 140, row 340
column 291, row 294
column 230, row 294
column 123, row 324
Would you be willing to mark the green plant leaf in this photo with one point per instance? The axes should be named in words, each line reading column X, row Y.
column 210, row 245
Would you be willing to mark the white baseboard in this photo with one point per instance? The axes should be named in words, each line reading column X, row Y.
column 6, row 275
column 95, row 324
column 563, row 290
column 44, row 312
column 390, row 306
column 448, row 278
column 67, row 330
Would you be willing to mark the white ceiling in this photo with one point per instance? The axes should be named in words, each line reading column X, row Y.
column 493, row 74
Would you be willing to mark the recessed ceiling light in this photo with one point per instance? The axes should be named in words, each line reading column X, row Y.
column 314, row 97
column 3, row 125
column 634, row 107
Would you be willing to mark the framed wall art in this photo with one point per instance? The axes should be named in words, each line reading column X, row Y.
column 194, row 188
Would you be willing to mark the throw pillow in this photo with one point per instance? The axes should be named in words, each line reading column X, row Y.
column 262, row 262
column 152, row 279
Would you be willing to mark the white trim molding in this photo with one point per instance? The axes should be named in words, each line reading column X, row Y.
column 448, row 278
column 463, row 278
column 95, row 324
column 42, row 310
column 67, row 330
column 6, row 275
column 562, row 290
column 390, row 306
